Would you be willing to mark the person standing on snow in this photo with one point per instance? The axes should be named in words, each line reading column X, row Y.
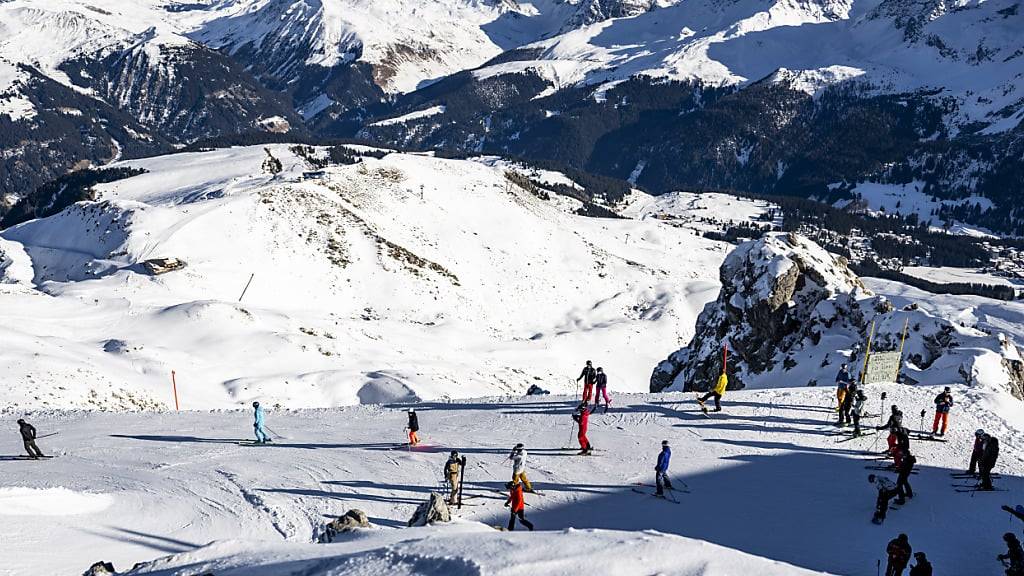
column 902, row 447
column 589, row 377
column 413, row 427
column 1014, row 555
column 923, row 566
column 899, row 550
column 988, row 461
column 518, row 506
column 518, row 458
column 257, row 424
column 843, row 381
column 845, row 417
column 717, row 392
column 886, row 491
column 582, row 417
column 943, row 402
column 601, row 389
column 894, row 423
column 661, row 469
column 858, row 410
column 28, row 438
column 452, row 468
column 976, row 451
column 903, row 478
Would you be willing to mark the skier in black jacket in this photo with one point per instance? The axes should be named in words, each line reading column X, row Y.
column 903, row 477
column 923, row 566
column 894, row 423
column 589, row 377
column 1014, row 555
column 988, row 461
column 848, row 400
column 413, row 427
column 28, row 437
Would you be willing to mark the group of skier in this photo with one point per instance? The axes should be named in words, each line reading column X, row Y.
column 595, row 382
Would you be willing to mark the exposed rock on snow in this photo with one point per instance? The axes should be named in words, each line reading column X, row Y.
column 347, row 522
column 788, row 310
column 433, row 510
column 100, row 569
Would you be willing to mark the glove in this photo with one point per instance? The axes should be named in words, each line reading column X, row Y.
column 506, row 504
column 1007, row 508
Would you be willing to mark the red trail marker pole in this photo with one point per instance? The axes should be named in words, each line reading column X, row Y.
column 174, row 386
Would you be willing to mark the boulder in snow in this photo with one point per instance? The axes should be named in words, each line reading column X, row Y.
column 347, row 522
column 100, row 569
column 433, row 510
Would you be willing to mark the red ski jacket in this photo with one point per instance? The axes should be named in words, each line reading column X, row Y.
column 516, row 498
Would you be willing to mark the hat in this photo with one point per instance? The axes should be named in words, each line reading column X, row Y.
column 599, row 369
column 871, row 477
column 255, row 404
column 519, row 446
column 588, row 362
column 20, row 421
column 664, row 442
column 947, row 389
column 979, row 432
column 455, row 452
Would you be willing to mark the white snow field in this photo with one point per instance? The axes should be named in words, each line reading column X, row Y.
column 765, row 477
column 404, row 278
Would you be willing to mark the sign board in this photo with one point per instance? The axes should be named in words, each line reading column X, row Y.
column 882, row 367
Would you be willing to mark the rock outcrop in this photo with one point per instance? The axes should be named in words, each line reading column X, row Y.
column 433, row 510
column 350, row 521
column 791, row 312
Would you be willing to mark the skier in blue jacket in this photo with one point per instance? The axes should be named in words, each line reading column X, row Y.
column 661, row 469
column 257, row 425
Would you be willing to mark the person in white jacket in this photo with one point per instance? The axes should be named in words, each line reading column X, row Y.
column 518, row 458
column 886, row 491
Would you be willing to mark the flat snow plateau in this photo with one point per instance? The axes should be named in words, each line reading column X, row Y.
column 765, row 478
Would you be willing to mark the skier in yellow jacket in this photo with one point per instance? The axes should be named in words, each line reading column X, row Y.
column 717, row 392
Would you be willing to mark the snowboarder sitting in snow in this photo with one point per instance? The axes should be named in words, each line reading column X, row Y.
column 923, row 566
column 589, row 377
column 452, row 468
column 1014, row 557
column 582, row 417
column 988, row 461
column 601, row 385
column 413, row 427
column 886, row 491
column 518, row 458
column 28, row 438
column 977, row 450
column 899, row 555
column 518, row 506
column 661, row 469
column 717, row 392
column 843, row 381
column 943, row 402
column 257, row 424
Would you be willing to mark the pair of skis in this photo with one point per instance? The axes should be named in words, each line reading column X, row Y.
column 667, row 496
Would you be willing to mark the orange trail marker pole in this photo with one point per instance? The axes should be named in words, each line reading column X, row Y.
column 174, row 385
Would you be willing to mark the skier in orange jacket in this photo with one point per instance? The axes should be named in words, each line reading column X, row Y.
column 518, row 506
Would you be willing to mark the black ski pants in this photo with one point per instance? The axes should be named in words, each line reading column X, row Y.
column 522, row 520
column 894, row 569
column 903, row 488
column 986, row 477
column 856, row 423
column 716, row 396
column 882, row 504
column 32, row 449
column 975, row 458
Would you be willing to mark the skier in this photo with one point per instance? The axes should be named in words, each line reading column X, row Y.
column 257, row 424
column 923, row 566
column 858, row 410
column 452, row 468
column 977, row 450
column 518, row 505
column 582, row 417
column 589, row 377
column 899, row 550
column 843, row 381
column 846, row 405
column 413, row 427
column 886, row 491
column 717, row 392
column 518, row 458
column 601, row 389
column 903, row 477
column 902, row 447
column 943, row 402
column 988, row 461
column 894, row 423
column 28, row 438
column 661, row 469
column 1014, row 555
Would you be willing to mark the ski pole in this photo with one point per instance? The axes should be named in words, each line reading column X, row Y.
column 881, row 409
column 272, row 431
column 47, row 435
column 922, row 420
column 878, row 567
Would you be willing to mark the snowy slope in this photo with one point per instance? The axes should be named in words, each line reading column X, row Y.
column 765, row 478
column 405, row 277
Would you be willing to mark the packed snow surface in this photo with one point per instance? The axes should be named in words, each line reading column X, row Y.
column 765, row 477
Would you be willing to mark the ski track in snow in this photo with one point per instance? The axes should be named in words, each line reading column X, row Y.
column 766, row 476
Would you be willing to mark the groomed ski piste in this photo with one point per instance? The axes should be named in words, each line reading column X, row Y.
column 413, row 281
column 766, row 477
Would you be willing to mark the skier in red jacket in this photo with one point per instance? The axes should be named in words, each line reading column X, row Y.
column 518, row 504
column 582, row 416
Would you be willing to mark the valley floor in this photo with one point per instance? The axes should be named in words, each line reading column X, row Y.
column 766, row 477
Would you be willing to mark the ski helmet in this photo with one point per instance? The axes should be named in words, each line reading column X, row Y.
column 947, row 389
column 20, row 421
column 455, row 452
column 599, row 369
column 255, row 404
column 519, row 446
column 979, row 432
column 894, row 408
column 664, row 442
column 871, row 478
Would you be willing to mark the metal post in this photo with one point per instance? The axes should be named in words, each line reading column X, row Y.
column 867, row 355
column 174, row 386
column 903, row 338
column 244, row 290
